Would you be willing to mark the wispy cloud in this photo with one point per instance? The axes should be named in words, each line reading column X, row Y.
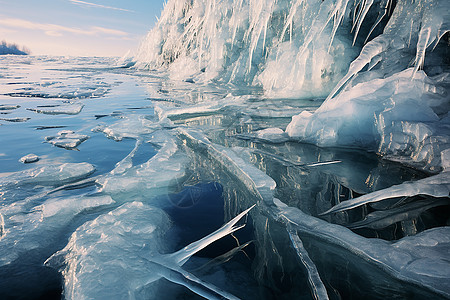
column 84, row 3
column 58, row 30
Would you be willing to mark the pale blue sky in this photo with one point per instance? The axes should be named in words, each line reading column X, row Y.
column 78, row 27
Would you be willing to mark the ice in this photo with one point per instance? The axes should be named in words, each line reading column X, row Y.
column 303, row 49
column 9, row 106
column 131, row 126
column 16, row 119
column 39, row 227
column 50, row 175
column 67, row 139
column 385, row 218
column 120, row 253
column 30, row 158
column 60, row 109
column 270, row 135
column 435, row 186
column 148, row 179
column 405, row 261
column 317, row 287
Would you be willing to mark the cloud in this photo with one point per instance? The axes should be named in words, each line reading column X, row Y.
column 84, row 3
column 58, row 30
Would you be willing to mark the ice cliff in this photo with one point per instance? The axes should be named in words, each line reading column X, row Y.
column 381, row 65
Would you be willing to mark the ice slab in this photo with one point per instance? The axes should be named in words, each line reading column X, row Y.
column 130, row 126
column 9, row 106
column 16, row 119
column 50, row 175
column 24, row 229
column 63, row 109
column 150, row 178
column 66, row 139
column 30, row 158
column 120, row 254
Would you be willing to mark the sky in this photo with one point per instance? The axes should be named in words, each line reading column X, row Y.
column 76, row 27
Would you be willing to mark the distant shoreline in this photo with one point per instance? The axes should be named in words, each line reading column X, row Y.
column 13, row 49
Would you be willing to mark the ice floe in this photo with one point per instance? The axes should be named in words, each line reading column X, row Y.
column 67, row 139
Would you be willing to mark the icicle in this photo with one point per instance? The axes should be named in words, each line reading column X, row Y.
column 2, row 226
column 361, row 17
column 369, row 51
column 195, row 284
column 184, row 254
column 315, row 282
column 434, row 186
column 381, row 14
column 289, row 20
column 422, row 44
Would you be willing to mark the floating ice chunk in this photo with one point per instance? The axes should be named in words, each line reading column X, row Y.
column 435, row 186
column 118, row 254
column 66, row 139
column 353, row 117
column 30, row 158
column 50, row 175
column 63, row 109
column 8, row 106
column 16, row 119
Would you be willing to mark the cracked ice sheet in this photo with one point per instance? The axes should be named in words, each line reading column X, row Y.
column 130, row 241
column 24, row 228
column 401, row 260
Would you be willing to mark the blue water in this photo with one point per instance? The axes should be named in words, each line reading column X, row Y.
column 199, row 200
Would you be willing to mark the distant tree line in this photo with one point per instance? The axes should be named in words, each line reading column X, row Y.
column 6, row 48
